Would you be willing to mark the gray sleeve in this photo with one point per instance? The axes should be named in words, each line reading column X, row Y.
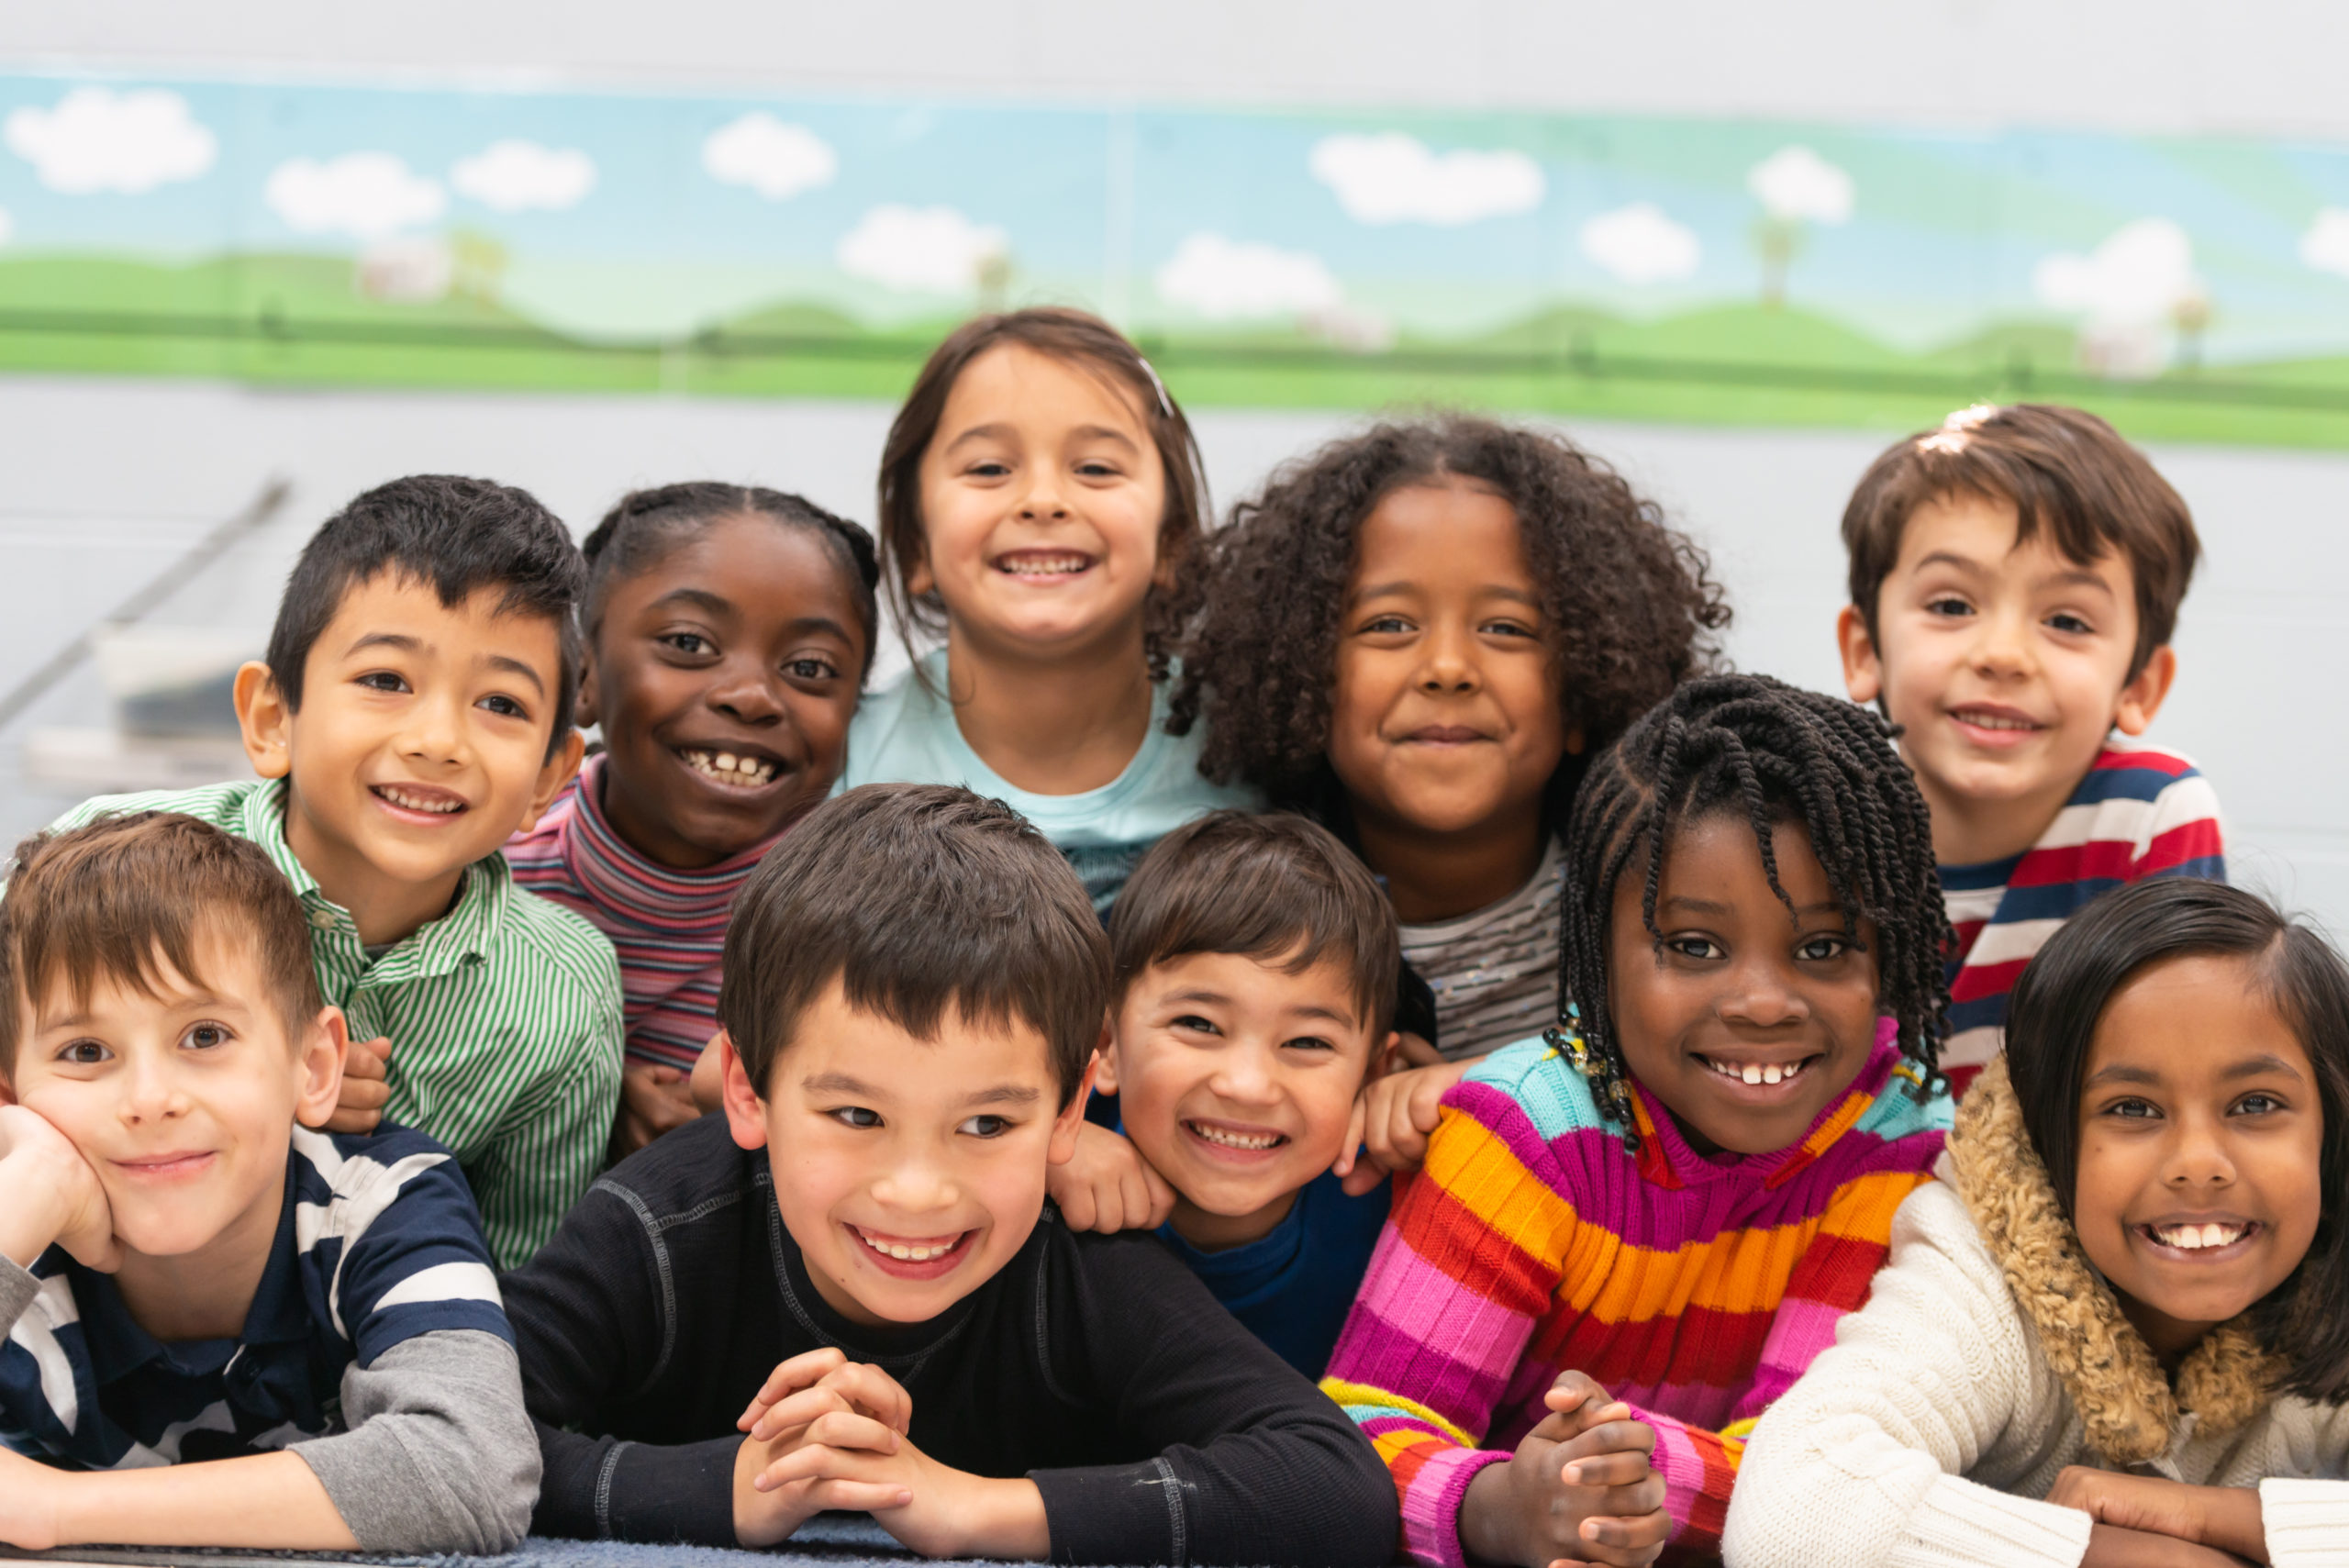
column 18, row 1288
column 439, row 1456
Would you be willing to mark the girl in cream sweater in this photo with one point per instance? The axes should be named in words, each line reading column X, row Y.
column 2121, row 1334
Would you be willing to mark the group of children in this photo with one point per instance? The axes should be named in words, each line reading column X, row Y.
column 1370, row 943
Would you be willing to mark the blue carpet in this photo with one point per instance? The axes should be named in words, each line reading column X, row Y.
column 833, row 1540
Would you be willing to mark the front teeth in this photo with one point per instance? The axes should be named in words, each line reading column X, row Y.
column 728, row 768
column 1758, row 1072
column 407, row 802
column 2195, row 1238
column 1996, row 721
column 1046, row 565
column 1236, row 1140
column 907, row 1254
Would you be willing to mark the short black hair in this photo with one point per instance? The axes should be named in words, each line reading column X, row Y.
column 456, row 536
column 2051, row 1023
column 1267, row 887
column 920, row 899
column 640, row 530
column 1750, row 747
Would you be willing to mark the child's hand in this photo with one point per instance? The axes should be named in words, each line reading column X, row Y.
column 28, row 1502
column 2226, row 1517
column 708, row 1085
column 853, row 1461
column 2110, row 1546
column 654, row 1099
column 1393, row 1117
column 1107, row 1185
column 1579, row 1488
column 821, row 1396
column 49, row 1193
column 365, row 1091
column 816, row 1383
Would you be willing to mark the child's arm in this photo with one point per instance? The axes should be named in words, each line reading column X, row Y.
column 267, row 1501
column 2226, row 1517
column 1394, row 1117
column 1864, row 1460
column 1107, row 1185
column 1249, row 1464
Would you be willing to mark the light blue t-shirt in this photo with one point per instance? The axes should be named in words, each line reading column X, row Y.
column 908, row 735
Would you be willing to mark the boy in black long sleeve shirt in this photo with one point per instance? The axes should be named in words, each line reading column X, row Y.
column 914, row 982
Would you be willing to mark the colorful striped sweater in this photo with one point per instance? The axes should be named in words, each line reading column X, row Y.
column 2137, row 813
column 668, row 925
column 1695, row 1289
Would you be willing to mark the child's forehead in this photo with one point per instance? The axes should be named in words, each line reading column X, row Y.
column 839, row 1046
column 1983, row 533
column 227, row 975
column 1282, row 980
column 394, row 609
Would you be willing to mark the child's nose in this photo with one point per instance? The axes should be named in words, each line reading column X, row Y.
column 2198, row 1156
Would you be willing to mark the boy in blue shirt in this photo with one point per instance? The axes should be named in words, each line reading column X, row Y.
column 223, row 1327
column 1254, row 961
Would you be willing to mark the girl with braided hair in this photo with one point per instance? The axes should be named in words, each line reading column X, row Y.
column 1678, row 1191
column 729, row 630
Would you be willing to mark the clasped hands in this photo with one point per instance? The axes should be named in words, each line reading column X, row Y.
column 2147, row 1521
column 826, row 1432
column 1578, row 1489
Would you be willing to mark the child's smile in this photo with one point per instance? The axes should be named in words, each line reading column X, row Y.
column 1745, row 1020
column 2200, row 1135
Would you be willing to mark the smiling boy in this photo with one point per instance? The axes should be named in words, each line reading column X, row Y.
column 2015, row 580
column 224, row 1328
column 914, row 983
column 412, row 713
column 1254, row 963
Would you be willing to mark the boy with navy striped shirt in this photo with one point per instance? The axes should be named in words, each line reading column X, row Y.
column 2015, row 579
column 224, row 1328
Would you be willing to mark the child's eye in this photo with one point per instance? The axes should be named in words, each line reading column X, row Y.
column 205, row 1037
column 989, row 467
column 693, row 644
column 1697, row 948
column 2063, row 620
column 2258, row 1105
column 383, row 680
column 856, row 1116
column 1196, row 1024
column 1506, row 628
column 810, row 670
column 505, row 707
column 1094, row 467
column 2134, row 1110
column 1948, row 605
column 83, row 1054
column 986, row 1127
column 1818, row 950
column 1308, row 1042
column 1386, row 625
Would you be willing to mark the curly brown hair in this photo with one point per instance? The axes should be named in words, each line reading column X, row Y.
column 1630, row 600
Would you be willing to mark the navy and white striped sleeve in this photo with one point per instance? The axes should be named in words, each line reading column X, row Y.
column 391, row 1240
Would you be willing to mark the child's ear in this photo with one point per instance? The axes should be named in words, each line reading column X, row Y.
column 553, row 776
column 2143, row 698
column 746, row 1113
column 1863, row 669
column 1382, row 1056
column 1103, row 1066
column 264, row 720
column 1071, row 1121
column 586, row 709
column 919, row 578
column 320, row 1064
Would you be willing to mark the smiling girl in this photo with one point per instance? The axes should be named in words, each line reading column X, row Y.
column 2118, row 1336
column 1040, row 499
column 729, row 631
column 1676, row 1193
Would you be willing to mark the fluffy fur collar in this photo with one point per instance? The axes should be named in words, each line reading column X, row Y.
column 2130, row 1411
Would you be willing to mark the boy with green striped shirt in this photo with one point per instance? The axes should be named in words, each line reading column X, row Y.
column 414, row 712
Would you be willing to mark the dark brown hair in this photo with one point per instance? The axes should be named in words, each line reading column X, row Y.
column 2051, row 1027
column 1082, row 339
column 2062, row 469
column 921, row 900
column 126, row 896
column 1626, row 597
column 1275, row 887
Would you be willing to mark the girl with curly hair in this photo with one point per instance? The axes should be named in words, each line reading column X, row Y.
column 1041, row 505
column 1419, row 635
column 1634, row 1233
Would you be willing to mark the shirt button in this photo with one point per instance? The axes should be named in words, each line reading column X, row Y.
column 322, row 919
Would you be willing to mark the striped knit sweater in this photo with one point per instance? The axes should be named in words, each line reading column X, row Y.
column 2137, row 813
column 1695, row 1289
column 668, row 925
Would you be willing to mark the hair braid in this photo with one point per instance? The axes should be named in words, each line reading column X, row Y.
column 1757, row 747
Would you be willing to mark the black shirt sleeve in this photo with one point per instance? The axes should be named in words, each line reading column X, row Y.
column 594, row 1316
column 1254, row 1464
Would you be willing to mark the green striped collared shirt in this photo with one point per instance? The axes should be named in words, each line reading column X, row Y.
column 504, row 1017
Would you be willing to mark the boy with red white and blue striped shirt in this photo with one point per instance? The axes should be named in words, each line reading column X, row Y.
column 2015, row 580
